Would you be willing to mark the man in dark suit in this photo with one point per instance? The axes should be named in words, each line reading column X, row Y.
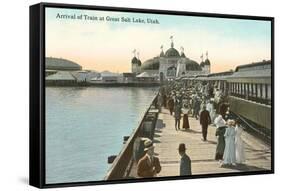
column 205, row 120
column 185, row 162
column 149, row 165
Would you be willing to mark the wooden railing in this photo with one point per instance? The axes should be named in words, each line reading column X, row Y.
column 124, row 160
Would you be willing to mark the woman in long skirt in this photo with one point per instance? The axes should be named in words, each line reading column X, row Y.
column 185, row 124
column 177, row 115
column 239, row 145
column 229, row 156
column 220, row 131
column 165, row 100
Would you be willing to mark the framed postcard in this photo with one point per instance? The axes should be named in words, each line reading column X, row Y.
column 122, row 95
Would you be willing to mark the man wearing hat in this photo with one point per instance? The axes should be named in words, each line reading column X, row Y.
column 185, row 162
column 149, row 165
column 205, row 120
column 177, row 115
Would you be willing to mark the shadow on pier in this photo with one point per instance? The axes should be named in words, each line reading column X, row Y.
column 159, row 125
column 244, row 167
column 191, row 131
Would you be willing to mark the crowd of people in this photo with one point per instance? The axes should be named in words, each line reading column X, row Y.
column 230, row 146
column 206, row 103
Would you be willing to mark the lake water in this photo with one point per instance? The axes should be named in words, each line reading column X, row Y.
column 86, row 125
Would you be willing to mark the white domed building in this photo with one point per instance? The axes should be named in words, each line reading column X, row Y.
column 171, row 64
column 61, row 64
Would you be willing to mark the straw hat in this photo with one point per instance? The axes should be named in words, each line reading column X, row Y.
column 230, row 122
column 148, row 144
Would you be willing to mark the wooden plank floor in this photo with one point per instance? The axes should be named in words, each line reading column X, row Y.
column 167, row 139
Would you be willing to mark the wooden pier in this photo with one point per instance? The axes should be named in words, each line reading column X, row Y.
column 202, row 153
column 167, row 139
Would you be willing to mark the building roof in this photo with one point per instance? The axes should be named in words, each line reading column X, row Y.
column 265, row 64
column 162, row 54
column 252, row 74
column 151, row 64
column 207, row 62
column 61, row 75
column 192, row 65
column 172, row 52
column 219, row 74
column 109, row 74
column 139, row 62
column 143, row 75
column 134, row 60
column 61, row 64
column 129, row 74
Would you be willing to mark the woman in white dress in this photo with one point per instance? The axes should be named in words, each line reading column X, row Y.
column 211, row 109
column 229, row 156
column 239, row 145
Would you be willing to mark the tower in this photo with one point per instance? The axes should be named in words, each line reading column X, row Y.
column 162, row 52
column 138, row 68
column 207, row 65
column 134, row 62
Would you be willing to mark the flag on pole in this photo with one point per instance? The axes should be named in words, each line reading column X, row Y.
column 134, row 52
column 171, row 37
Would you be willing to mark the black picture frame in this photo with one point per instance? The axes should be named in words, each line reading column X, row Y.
column 37, row 93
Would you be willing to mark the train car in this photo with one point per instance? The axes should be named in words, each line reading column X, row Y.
column 219, row 81
column 247, row 89
column 249, row 93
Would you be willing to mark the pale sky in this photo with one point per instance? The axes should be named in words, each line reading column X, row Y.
column 108, row 45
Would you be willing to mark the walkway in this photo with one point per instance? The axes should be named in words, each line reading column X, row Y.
column 202, row 154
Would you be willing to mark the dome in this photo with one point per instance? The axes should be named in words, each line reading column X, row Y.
column 139, row 62
column 183, row 55
column 61, row 64
column 162, row 54
column 151, row 64
column 134, row 60
column 207, row 62
column 192, row 65
column 172, row 52
column 202, row 64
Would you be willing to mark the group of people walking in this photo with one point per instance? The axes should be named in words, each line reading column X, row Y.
column 199, row 102
column 182, row 102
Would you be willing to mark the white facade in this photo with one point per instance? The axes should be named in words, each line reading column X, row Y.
column 170, row 65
